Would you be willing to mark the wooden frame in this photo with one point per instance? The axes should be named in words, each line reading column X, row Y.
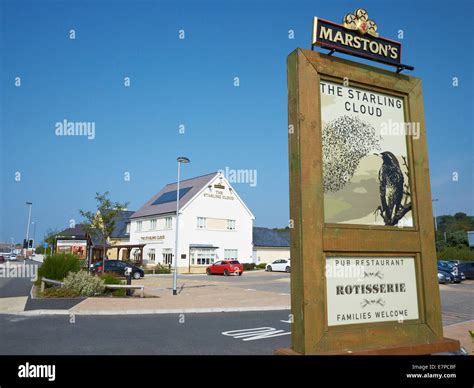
column 312, row 240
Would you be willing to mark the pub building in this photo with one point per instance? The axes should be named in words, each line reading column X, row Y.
column 214, row 224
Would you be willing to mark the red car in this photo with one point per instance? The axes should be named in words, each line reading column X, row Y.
column 225, row 267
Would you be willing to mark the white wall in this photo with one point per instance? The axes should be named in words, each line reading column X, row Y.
column 142, row 237
column 222, row 204
column 210, row 203
column 268, row 255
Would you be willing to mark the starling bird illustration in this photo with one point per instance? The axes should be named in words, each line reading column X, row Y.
column 391, row 187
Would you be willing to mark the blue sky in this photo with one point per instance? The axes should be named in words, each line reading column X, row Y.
column 190, row 82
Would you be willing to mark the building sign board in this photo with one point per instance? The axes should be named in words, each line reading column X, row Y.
column 76, row 247
column 364, row 272
column 357, row 36
column 367, row 180
column 370, row 289
column 153, row 238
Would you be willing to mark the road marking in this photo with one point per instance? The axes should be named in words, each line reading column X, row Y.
column 255, row 333
column 250, row 289
column 283, row 293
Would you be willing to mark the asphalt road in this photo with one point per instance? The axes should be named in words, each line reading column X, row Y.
column 188, row 334
column 13, row 287
column 457, row 302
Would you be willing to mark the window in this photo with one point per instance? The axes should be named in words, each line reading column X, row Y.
column 167, row 256
column 168, row 222
column 201, row 223
column 230, row 224
column 139, row 226
column 153, row 224
column 151, row 254
column 203, row 256
column 230, row 254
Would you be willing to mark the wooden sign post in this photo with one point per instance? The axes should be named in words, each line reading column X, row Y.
column 364, row 273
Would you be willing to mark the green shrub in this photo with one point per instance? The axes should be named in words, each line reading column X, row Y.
column 111, row 278
column 249, row 266
column 55, row 292
column 121, row 292
column 262, row 266
column 58, row 266
column 84, row 283
column 159, row 268
column 453, row 253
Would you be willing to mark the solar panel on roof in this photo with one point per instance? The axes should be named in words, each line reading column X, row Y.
column 170, row 196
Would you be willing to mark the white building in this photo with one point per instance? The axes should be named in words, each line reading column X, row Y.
column 214, row 224
column 270, row 245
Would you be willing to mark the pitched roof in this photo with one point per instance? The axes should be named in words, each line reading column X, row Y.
column 76, row 231
column 165, row 202
column 266, row 237
column 79, row 234
column 120, row 229
column 121, row 221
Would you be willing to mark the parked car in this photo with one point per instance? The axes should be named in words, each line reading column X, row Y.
column 282, row 265
column 444, row 277
column 225, row 267
column 467, row 267
column 452, row 270
column 11, row 257
column 455, row 262
column 118, row 267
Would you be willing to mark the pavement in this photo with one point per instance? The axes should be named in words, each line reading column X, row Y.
column 197, row 294
column 460, row 331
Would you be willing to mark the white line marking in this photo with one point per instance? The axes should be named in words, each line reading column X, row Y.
column 255, row 333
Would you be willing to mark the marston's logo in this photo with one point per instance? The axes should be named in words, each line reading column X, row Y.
column 359, row 21
column 357, row 36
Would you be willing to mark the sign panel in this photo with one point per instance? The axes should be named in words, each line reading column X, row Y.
column 370, row 289
column 365, row 163
column 76, row 247
column 358, row 36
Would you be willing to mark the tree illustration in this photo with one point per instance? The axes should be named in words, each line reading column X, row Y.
column 346, row 140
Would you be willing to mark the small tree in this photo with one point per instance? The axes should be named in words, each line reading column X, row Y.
column 50, row 238
column 101, row 223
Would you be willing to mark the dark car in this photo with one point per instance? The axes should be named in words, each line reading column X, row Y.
column 455, row 262
column 452, row 270
column 467, row 267
column 118, row 267
column 444, row 277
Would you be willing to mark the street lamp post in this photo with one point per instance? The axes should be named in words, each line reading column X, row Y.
column 180, row 160
column 30, row 204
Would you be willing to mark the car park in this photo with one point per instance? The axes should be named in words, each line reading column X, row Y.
column 225, row 267
column 281, row 265
column 467, row 267
column 455, row 262
column 444, row 277
column 118, row 267
column 452, row 269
